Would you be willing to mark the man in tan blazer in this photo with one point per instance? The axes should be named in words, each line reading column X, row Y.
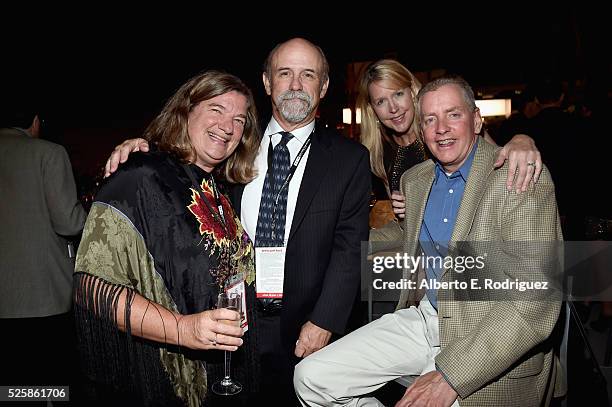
column 467, row 348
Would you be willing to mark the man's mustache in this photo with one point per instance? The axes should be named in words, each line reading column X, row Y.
column 296, row 94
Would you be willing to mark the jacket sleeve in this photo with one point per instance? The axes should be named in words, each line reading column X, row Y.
column 342, row 276
column 504, row 339
column 66, row 212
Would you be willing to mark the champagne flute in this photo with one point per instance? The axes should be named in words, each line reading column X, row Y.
column 227, row 386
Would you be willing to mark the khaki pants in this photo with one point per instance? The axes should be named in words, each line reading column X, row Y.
column 403, row 343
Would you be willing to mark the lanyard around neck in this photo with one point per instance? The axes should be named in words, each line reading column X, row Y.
column 292, row 169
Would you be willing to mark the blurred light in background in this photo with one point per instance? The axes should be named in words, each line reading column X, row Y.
column 347, row 116
column 495, row 107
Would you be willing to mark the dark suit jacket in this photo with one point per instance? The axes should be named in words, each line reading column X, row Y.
column 322, row 266
column 38, row 206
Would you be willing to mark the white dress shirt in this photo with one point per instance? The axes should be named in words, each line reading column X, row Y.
column 251, row 197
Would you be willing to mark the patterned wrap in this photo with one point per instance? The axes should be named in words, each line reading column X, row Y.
column 150, row 231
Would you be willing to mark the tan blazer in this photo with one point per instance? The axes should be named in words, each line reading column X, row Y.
column 494, row 353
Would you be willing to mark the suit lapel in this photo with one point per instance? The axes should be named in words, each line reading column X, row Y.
column 317, row 165
column 482, row 166
column 418, row 192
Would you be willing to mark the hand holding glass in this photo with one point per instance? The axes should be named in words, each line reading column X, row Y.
column 227, row 386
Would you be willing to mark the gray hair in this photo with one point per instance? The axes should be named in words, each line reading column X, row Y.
column 466, row 89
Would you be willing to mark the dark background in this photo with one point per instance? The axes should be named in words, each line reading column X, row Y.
column 103, row 75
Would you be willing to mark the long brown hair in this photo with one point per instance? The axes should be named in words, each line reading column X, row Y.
column 169, row 130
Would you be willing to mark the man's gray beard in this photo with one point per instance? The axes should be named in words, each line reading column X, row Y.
column 294, row 111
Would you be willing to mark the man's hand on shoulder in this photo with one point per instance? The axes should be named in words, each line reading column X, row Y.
column 122, row 151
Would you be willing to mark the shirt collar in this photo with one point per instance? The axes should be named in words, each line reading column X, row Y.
column 464, row 170
column 24, row 131
column 300, row 134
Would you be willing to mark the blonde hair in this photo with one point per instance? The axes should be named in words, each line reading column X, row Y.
column 169, row 130
column 373, row 133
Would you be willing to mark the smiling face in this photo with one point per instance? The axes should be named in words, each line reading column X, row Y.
column 393, row 106
column 215, row 128
column 450, row 125
column 296, row 83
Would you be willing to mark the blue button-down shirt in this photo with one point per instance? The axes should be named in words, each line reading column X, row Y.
column 440, row 216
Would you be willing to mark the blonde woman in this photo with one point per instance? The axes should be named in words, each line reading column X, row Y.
column 386, row 96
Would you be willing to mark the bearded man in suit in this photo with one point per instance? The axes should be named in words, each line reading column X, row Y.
column 475, row 352
column 315, row 214
column 326, row 217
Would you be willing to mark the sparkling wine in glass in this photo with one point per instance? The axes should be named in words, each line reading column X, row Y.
column 228, row 386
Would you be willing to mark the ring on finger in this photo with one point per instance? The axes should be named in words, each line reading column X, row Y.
column 214, row 341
